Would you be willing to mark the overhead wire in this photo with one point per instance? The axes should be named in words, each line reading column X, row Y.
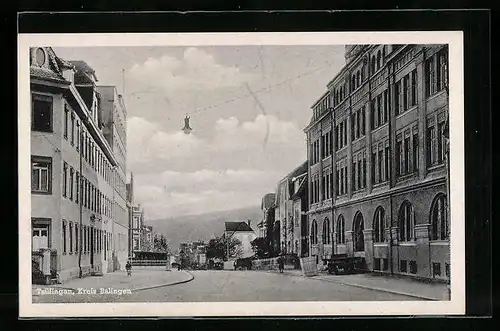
column 253, row 93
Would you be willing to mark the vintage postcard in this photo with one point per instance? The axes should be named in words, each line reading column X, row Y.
column 241, row 174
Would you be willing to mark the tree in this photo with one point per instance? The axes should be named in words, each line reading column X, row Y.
column 160, row 244
column 261, row 248
column 217, row 247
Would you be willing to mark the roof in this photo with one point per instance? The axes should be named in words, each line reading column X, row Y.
column 53, row 71
column 302, row 187
column 268, row 201
column 238, row 227
column 83, row 68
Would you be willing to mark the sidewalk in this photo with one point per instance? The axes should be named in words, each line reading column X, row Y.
column 385, row 283
column 141, row 279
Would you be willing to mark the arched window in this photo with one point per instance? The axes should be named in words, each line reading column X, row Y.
column 379, row 225
column 373, row 66
column 326, row 232
column 439, row 218
column 358, row 78
column 314, row 232
column 340, row 230
column 358, row 237
column 406, row 222
column 379, row 59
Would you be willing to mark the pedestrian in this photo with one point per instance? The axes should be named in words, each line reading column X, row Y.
column 128, row 267
column 281, row 264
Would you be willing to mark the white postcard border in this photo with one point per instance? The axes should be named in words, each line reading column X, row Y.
column 457, row 181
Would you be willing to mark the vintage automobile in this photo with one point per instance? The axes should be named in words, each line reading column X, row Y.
column 343, row 264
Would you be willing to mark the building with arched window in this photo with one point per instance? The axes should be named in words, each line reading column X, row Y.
column 382, row 177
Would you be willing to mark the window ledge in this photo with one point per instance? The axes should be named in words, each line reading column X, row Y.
column 406, row 111
column 374, row 130
column 42, row 192
column 407, row 243
column 439, row 242
column 435, row 95
column 435, row 167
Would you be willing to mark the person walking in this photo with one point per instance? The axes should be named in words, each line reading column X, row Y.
column 128, row 267
column 281, row 264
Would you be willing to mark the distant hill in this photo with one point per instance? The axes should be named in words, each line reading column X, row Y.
column 203, row 226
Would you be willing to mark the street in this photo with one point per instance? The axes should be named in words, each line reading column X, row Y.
column 224, row 286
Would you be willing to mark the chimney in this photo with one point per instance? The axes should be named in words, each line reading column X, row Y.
column 248, row 221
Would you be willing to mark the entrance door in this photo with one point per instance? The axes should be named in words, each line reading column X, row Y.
column 359, row 239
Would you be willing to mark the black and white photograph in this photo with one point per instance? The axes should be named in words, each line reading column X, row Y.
column 229, row 174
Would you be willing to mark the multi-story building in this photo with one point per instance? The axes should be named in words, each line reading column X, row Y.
column 114, row 119
column 300, row 206
column 137, row 226
column 270, row 228
column 284, row 212
column 377, row 176
column 73, row 169
column 130, row 203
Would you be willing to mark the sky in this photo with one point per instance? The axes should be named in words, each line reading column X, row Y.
column 248, row 107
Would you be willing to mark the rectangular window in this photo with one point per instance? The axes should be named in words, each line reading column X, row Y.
column 442, row 70
column 403, row 266
column 66, row 122
column 41, row 113
column 407, row 155
column 431, row 145
column 71, row 181
column 372, row 114
column 77, row 187
column 364, row 170
column 380, row 164
column 447, row 269
column 415, row 152
column 387, row 162
column 430, row 77
column 379, row 110
column 406, row 92
column 413, row 96
column 399, row 157
column 64, row 236
column 374, row 167
column 359, row 181
column 358, row 123
column 376, row 264
column 70, row 238
column 397, row 94
column 440, row 143
column 345, row 132
column 386, row 106
column 385, row 266
column 363, row 121
column 65, row 179
column 436, row 269
column 77, row 137
column 40, row 234
column 72, row 129
column 41, row 174
column 413, row 267
column 77, row 236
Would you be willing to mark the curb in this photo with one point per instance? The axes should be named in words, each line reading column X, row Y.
column 191, row 277
column 364, row 287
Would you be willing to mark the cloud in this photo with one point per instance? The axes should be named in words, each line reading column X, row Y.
column 234, row 145
column 196, row 70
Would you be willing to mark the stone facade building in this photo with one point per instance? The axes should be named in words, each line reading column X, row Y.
column 376, row 161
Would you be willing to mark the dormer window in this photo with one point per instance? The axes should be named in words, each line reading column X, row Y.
column 40, row 57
